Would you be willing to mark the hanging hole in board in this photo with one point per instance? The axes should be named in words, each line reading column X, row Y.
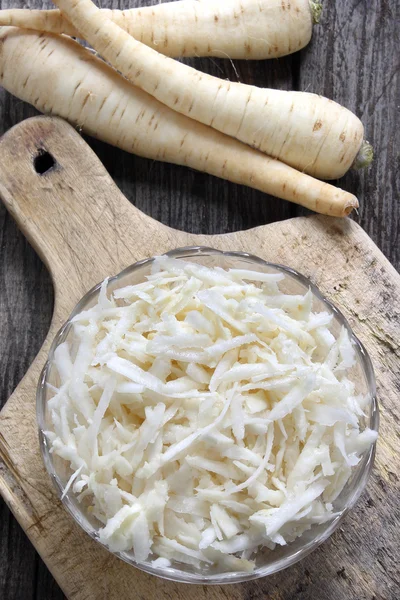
column 43, row 162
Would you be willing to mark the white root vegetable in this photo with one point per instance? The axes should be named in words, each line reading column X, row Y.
column 91, row 95
column 249, row 29
column 306, row 131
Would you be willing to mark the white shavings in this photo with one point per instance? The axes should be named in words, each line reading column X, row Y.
column 161, row 343
column 222, row 347
column 161, row 563
column 274, row 521
column 63, row 362
column 71, row 481
column 221, row 368
column 322, row 319
column 126, row 387
column 104, row 302
column 198, row 373
column 245, row 454
column 225, row 469
column 222, row 308
column 199, row 322
column 118, row 524
column 141, row 537
column 94, row 427
column 208, row 536
column 360, row 442
column 206, row 413
column 329, row 415
column 339, row 436
column 184, row 550
column 226, row 524
column 239, row 543
column 255, row 275
column 245, row 372
column 262, row 466
column 292, row 399
column 175, row 449
column 237, row 414
column 285, row 323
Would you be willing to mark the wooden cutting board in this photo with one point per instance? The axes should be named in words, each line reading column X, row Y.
column 84, row 229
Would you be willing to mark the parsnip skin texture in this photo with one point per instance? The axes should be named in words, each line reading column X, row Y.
column 308, row 132
column 91, row 95
column 247, row 29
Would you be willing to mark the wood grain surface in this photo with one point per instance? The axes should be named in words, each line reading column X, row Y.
column 353, row 58
column 84, row 229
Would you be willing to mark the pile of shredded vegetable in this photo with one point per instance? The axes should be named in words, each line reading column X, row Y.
column 206, row 414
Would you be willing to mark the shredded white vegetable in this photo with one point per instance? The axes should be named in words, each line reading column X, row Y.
column 206, row 414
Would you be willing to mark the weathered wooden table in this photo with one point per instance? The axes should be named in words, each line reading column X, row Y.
column 354, row 59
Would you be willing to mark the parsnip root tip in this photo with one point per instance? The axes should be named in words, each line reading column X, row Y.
column 316, row 10
column 350, row 207
column 364, row 156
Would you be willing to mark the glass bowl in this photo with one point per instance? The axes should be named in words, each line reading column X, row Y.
column 267, row 561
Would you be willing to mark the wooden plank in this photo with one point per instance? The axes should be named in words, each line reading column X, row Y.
column 46, row 587
column 360, row 559
column 18, row 559
column 354, row 59
column 26, row 299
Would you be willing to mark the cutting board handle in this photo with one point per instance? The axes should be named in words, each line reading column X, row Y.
column 66, row 204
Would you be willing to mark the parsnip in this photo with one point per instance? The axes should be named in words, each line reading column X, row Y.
column 308, row 132
column 251, row 29
column 91, row 95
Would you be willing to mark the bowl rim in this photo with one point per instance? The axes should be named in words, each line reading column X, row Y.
column 364, row 467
